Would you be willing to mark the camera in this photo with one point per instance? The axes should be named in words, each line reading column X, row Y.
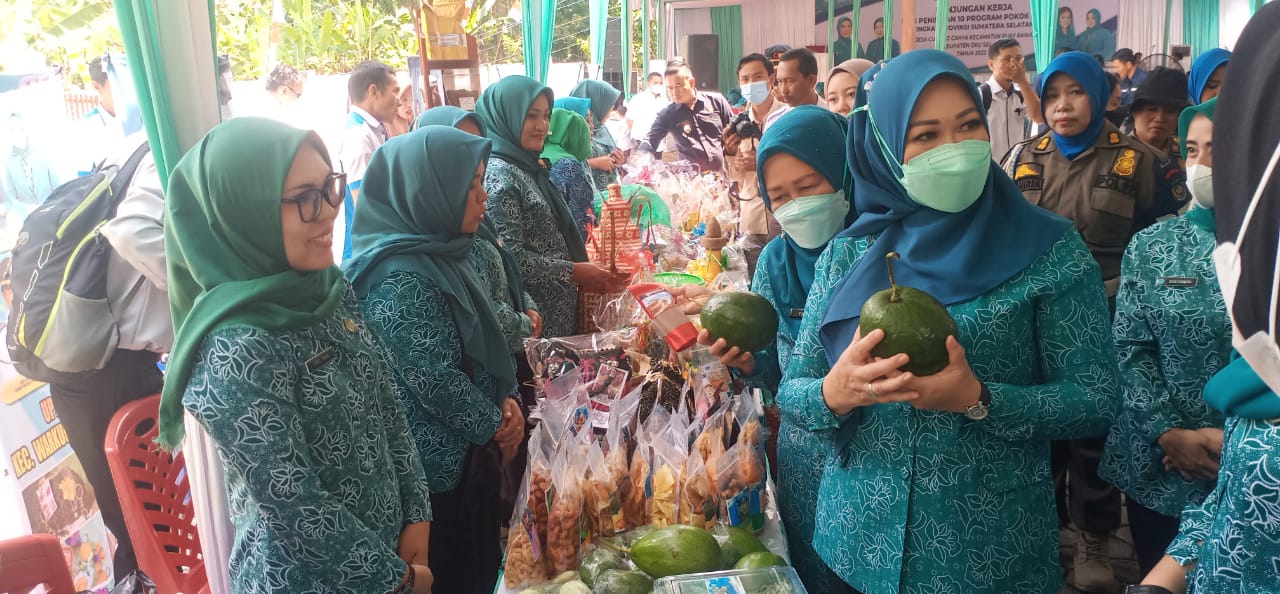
column 746, row 128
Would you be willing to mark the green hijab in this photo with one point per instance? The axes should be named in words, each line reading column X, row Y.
column 448, row 115
column 502, row 108
column 603, row 97
column 409, row 219
column 570, row 137
column 225, row 248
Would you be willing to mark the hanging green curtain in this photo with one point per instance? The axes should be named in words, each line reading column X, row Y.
column 1200, row 24
column 537, row 39
column 644, row 41
column 173, row 66
column 1258, row 4
column 941, row 23
column 831, row 31
column 888, row 29
column 856, row 16
column 726, row 22
column 1044, row 30
column 598, row 15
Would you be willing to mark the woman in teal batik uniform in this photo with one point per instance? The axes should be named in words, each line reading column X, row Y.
column 531, row 215
column 1229, row 543
column 273, row 357
column 1096, row 40
column 413, row 234
column 942, row 483
column 805, row 183
column 605, row 156
column 1172, row 335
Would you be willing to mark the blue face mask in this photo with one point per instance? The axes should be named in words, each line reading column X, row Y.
column 756, row 92
column 948, row 178
column 811, row 221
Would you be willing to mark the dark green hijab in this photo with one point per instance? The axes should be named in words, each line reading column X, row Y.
column 603, row 97
column 502, row 108
column 225, row 248
column 409, row 219
column 448, row 115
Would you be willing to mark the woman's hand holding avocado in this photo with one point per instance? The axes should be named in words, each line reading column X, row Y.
column 744, row 362
column 859, row 379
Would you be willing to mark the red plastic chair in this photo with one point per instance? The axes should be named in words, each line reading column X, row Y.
column 156, row 498
column 35, row 560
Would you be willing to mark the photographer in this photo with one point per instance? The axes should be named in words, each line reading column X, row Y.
column 756, row 77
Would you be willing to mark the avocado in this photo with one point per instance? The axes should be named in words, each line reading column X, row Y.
column 615, row 581
column 914, row 322
column 760, row 561
column 676, row 550
column 597, row 562
column 743, row 319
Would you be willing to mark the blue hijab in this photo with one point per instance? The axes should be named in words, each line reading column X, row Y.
column 1237, row 391
column 578, row 105
column 1089, row 74
column 1204, row 67
column 864, row 84
column 816, row 136
column 954, row 257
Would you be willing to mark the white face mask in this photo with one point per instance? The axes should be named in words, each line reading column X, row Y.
column 1260, row 350
column 1200, row 184
column 756, row 92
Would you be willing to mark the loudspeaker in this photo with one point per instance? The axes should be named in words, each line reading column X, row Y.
column 703, row 54
column 613, row 46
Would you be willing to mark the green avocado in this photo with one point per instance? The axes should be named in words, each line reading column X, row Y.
column 597, row 562
column 743, row 319
column 676, row 550
column 760, row 561
column 616, row 581
column 914, row 322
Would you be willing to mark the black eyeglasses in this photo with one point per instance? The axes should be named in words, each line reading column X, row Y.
column 333, row 192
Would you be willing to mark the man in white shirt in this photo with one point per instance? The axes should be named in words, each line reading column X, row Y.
column 756, row 78
column 375, row 97
column 1009, row 97
column 99, row 132
column 643, row 109
column 797, row 81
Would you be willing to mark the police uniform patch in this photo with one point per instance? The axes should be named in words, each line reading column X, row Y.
column 1115, row 138
column 1125, row 163
column 1026, row 170
column 1044, row 143
column 1033, row 183
column 1117, row 183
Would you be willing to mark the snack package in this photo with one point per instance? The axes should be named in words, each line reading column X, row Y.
column 525, row 563
column 663, row 388
column 605, row 390
column 712, row 382
column 620, row 440
column 551, row 358
column 600, row 498
column 663, row 497
column 538, row 478
column 564, row 524
column 697, row 505
column 633, row 501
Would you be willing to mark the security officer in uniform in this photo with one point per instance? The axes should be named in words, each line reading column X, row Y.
column 1111, row 185
column 1156, row 107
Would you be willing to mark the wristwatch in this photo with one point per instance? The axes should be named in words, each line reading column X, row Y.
column 1147, row 589
column 982, row 408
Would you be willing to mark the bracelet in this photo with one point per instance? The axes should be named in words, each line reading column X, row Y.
column 406, row 583
column 1147, row 589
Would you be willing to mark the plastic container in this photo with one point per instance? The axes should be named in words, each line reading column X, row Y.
column 770, row 580
column 678, row 279
column 660, row 306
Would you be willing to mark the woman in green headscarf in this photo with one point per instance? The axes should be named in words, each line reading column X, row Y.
column 605, row 155
column 532, row 216
column 568, row 146
column 273, row 358
column 413, row 233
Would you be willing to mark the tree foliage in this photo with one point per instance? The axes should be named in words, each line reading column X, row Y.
column 68, row 33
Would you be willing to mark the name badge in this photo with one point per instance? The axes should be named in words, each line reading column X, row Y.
column 319, row 359
column 796, row 313
column 1180, row 281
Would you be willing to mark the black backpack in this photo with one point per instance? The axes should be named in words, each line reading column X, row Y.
column 987, row 96
column 60, row 323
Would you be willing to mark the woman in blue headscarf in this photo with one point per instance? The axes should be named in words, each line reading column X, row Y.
column 942, row 481
column 1206, row 75
column 805, row 183
column 1096, row 40
column 605, row 155
column 413, row 234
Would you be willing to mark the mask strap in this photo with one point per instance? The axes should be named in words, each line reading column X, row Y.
column 884, row 146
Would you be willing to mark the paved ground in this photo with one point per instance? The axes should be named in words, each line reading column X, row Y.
column 1122, row 559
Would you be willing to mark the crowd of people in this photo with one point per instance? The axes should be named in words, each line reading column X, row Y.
column 344, row 325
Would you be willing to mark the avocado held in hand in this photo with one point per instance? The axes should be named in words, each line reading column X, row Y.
column 743, row 319
column 914, row 322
